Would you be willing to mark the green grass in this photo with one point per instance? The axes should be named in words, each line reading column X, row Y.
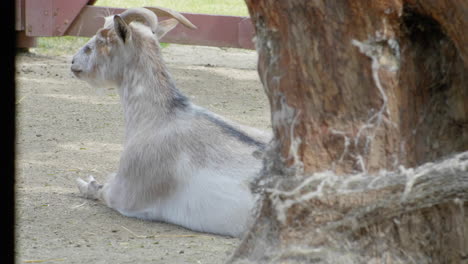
column 55, row 46
column 219, row 7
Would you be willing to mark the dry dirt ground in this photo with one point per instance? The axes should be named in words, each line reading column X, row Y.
column 67, row 129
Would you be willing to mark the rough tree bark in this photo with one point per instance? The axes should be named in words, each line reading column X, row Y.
column 360, row 90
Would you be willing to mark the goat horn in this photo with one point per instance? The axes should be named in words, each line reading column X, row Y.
column 161, row 11
column 141, row 15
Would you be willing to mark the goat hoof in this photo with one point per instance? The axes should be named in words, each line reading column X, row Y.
column 88, row 188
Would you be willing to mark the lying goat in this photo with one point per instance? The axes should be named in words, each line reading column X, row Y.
column 181, row 163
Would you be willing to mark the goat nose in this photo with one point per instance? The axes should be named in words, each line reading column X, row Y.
column 75, row 69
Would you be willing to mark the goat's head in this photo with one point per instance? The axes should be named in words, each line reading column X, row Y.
column 119, row 44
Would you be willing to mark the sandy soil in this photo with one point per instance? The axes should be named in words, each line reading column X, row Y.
column 67, row 130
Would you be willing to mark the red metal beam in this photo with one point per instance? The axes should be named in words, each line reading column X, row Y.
column 50, row 17
column 213, row 30
column 19, row 15
column 44, row 18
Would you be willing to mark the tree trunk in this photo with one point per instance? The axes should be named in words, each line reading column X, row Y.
column 357, row 88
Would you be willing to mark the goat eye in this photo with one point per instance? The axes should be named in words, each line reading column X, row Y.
column 87, row 49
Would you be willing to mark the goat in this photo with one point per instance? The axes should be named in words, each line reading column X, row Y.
column 181, row 163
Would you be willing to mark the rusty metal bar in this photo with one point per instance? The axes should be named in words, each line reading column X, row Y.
column 23, row 41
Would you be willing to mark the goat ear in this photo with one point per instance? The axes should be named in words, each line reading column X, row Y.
column 165, row 26
column 122, row 29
